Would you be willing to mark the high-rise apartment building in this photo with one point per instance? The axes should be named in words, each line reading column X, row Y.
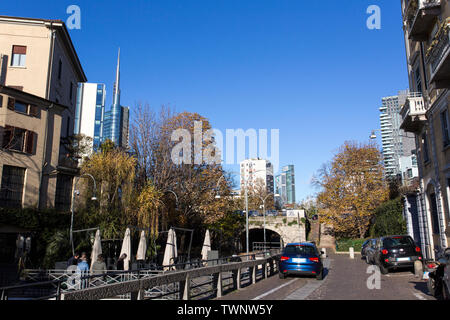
column 285, row 185
column 90, row 112
column 116, row 121
column 39, row 73
column 257, row 172
column 396, row 143
column 426, row 115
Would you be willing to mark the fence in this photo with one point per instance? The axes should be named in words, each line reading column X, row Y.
column 64, row 285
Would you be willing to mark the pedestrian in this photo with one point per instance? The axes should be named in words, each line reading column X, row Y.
column 83, row 270
column 73, row 261
column 120, row 262
column 99, row 266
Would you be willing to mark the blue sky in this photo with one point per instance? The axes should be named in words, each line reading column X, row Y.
column 311, row 69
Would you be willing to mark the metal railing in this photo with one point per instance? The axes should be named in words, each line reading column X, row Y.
column 60, row 282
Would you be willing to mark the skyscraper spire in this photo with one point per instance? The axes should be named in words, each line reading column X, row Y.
column 116, row 99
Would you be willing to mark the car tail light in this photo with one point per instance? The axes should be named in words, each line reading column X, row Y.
column 384, row 251
column 431, row 266
column 314, row 259
column 417, row 249
column 284, row 258
column 386, row 260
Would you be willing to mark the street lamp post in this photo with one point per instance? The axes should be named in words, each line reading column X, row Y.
column 94, row 198
column 246, row 206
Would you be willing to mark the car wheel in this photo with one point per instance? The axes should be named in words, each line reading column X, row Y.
column 319, row 276
column 431, row 284
column 445, row 292
column 383, row 269
column 282, row 275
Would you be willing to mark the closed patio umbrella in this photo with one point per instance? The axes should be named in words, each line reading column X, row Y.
column 170, row 252
column 142, row 248
column 206, row 246
column 96, row 248
column 126, row 248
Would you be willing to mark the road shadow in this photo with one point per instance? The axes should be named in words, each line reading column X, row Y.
column 422, row 287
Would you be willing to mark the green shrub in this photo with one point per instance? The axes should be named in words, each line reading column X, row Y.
column 345, row 244
column 388, row 219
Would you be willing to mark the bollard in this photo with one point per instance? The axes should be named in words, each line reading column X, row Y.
column 324, row 255
column 219, row 285
column 352, row 253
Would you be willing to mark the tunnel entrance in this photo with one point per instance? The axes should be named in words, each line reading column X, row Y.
column 256, row 240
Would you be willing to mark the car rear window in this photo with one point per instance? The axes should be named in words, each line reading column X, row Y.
column 397, row 242
column 307, row 250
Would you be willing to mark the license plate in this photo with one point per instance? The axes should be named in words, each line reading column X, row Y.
column 403, row 259
column 426, row 275
column 298, row 260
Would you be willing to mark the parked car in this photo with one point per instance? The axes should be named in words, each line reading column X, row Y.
column 368, row 250
column 395, row 252
column 301, row 259
column 437, row 274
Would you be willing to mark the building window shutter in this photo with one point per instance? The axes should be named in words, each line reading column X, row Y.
column 30, row 146
column 19, row 50
column 11, row 103
column 33, row 110
column 8, row 133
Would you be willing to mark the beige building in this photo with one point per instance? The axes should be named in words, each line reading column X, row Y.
column 426, row 114
column 39, row 69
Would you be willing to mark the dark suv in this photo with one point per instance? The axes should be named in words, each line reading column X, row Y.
column 395, row 252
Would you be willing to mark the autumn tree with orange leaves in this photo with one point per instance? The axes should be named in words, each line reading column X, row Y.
column 352, row 187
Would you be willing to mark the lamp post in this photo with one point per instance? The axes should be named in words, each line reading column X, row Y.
column 246, row 204
column 264, row 211
column 94, row 198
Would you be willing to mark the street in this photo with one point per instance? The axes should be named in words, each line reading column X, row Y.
column 345, row 279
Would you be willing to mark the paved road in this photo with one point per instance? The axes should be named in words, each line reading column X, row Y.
column 345, row 279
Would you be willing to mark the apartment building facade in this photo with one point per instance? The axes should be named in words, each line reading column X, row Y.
column 426, row 25
column 396, row 144
column 38, row 61
column 255, row 172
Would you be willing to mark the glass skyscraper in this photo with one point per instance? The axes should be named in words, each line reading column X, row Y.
column 285, row 185
column 116, row 124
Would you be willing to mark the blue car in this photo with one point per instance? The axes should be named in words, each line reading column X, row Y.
column 301, row 259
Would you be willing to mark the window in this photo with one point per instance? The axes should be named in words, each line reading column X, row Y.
column 60, row 69
column 19, row 140
column 434, row 214
column 426, row 156
column 63, row 192
column 418, row 80
column 11, row 191
column 22, row 107
column 19, row 54
column 444, row 123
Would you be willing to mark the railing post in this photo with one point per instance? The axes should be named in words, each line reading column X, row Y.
column 238, row 279
column 219, row 285
column 254, row 274
column 4, row 295
column 186, row 287
column 265, row 269
column 58, row 291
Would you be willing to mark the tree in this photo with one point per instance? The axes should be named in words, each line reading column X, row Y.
column 352, row 187
column 388, row 219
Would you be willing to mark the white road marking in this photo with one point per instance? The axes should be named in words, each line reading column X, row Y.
column 419, row 296
column 274, row 289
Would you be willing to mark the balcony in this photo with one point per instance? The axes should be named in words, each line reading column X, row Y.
column 413, row 113
column 438, row 57
column 421, row 16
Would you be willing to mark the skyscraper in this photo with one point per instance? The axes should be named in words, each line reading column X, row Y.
column 395, row 143
column 255, row 170
column 90, row 112
column 116, row 124
column 285, row 185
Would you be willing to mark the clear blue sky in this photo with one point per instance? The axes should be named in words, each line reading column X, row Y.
column 309, row 68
